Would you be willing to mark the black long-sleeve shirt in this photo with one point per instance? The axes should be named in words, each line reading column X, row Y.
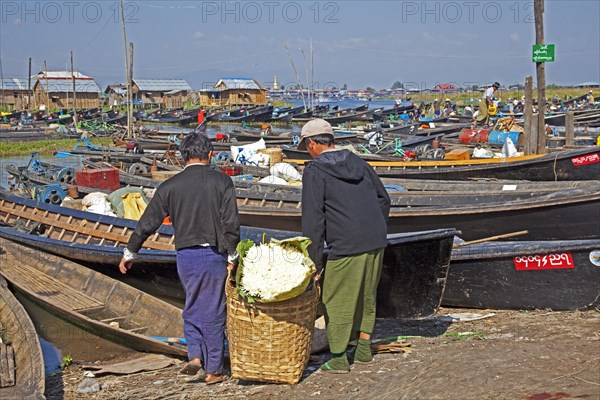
column 345, row 204
column 201, row 204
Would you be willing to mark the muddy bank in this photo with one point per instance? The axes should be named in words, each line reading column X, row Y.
column 537, row 355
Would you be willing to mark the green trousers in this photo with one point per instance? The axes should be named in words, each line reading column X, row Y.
column 349, row 297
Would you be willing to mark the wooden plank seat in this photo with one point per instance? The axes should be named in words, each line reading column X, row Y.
column 35, row 281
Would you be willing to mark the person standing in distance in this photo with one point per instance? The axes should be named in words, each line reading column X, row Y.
column 202, row 207
column 345, row 204
column 483, row 116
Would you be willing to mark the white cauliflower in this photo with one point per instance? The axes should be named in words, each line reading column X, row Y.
column 270, row 271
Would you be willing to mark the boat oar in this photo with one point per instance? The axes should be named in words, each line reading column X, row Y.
column 487, row 239
column 63, row 154
column 171, row 340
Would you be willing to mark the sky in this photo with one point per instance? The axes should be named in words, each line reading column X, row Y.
column 358, row 43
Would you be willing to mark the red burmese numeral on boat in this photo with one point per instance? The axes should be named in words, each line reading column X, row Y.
column 587, row 159
column 547, row 261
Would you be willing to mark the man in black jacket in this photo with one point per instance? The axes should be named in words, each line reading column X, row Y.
column 202, row 207
column 345, row 204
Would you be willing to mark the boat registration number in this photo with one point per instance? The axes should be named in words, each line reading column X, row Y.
column 587, row 159
column 547, row 261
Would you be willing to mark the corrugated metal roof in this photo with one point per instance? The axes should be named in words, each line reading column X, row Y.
column 64, row 86
column 238, row 83
column 61, row 75
column 14, row 84
column 118, row 89
column 162, row 85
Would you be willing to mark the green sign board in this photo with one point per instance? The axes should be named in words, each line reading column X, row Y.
column 543, row 53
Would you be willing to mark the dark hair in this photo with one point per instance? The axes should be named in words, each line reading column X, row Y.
column 195, row 145
column 323, row 138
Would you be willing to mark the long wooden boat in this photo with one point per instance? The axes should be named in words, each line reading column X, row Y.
column 558, row 275
column 567, row 214
column 22, row 364
column 568, row 165
column 403, row 193
column 92, row 301
column 415, row 263
column 339, row 118
column 107, row 155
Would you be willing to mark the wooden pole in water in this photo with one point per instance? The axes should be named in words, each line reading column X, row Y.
column 569, row 128
column 538, row 9
column 531, row 139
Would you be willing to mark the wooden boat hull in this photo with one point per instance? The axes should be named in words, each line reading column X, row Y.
column 571, row 165
column 399, row 259
column 567, row 215
column 17, row 329
column 91, row 300
column 414, row 274
column 486, row 275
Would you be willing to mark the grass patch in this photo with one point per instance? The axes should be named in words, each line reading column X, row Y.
column 44, row 147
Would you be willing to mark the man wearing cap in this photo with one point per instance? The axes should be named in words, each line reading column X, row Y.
column 486, row 101
column 345, row 204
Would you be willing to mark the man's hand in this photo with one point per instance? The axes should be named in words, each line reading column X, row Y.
column 317, row 277
column 230, row 267
column 125, row 265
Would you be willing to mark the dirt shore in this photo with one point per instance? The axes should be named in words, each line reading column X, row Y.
column 536, row 355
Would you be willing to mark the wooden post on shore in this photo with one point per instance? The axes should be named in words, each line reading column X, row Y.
column 538, row 9
column 569, row 128
column 531, row 135
column 534, row 129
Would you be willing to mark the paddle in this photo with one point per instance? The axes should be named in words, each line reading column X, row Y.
column 169, row 339
column 487, row 239
column 63, row 154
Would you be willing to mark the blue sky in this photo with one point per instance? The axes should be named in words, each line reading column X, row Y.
column 360, row 43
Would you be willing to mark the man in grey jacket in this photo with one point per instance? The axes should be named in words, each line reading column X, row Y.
column 345, row 204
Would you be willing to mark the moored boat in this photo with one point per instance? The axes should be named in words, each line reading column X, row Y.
column 558, row 275
column 93, row 301
column 22, row 363
column 98, row 239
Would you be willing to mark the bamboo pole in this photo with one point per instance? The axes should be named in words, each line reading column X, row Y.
column 488, row 239
column 47, row 90
column 126, row 64
column 130, row 93
column 75, row 117
column 29, row 86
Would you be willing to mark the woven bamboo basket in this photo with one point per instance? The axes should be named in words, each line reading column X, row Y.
column 275, row 154
column 270, row 342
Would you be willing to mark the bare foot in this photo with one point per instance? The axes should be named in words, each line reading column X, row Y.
column 211, row 379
